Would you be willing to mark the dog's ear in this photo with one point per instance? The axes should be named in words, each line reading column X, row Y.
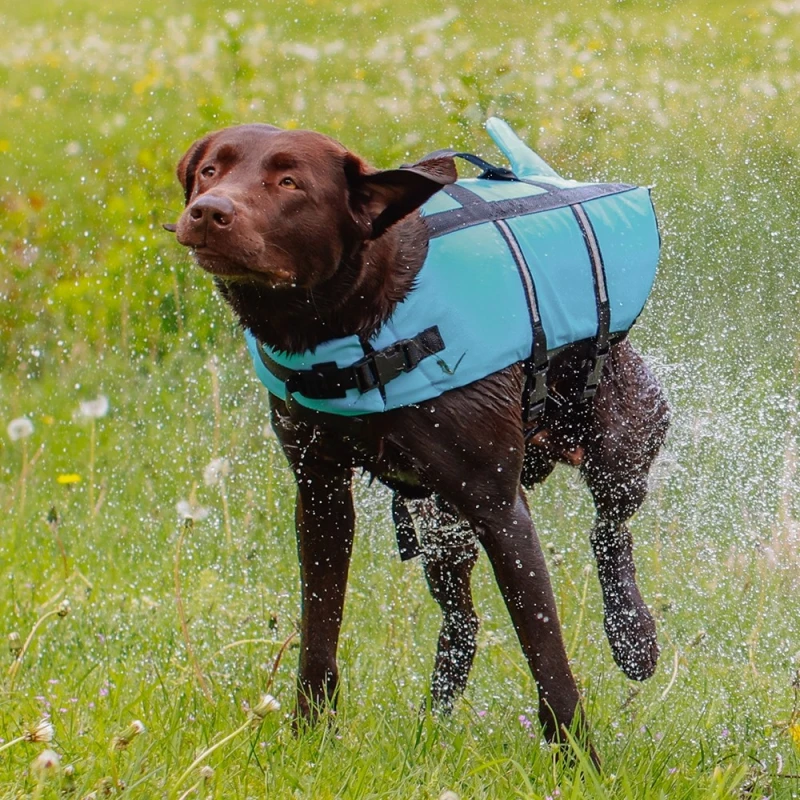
column 187, row 166
column 379, row 199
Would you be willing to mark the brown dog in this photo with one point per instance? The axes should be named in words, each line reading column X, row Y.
column 308, row 243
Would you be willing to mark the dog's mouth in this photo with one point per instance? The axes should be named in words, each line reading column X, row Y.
column 222, row 266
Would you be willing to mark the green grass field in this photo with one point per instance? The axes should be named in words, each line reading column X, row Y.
column 180, row 627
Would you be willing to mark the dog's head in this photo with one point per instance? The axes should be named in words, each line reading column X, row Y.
column 285, row 208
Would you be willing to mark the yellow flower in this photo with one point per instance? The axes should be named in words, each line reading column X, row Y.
column 68, row 479
column 794, row 732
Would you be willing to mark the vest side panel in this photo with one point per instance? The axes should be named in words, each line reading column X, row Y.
column 470, row 288
column 559, row 264
column 627, row 232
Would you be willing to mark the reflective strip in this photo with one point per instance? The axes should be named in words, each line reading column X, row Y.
column 522, row 266
column 594, row 252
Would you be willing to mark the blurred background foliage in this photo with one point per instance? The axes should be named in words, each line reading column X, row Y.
column 97, row 103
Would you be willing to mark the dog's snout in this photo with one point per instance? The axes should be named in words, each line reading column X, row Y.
column 212, row 209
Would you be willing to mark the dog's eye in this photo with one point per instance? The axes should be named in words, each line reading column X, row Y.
column 287, row 183
column 208, row 172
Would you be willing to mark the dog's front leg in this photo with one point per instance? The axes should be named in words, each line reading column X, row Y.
column 325, row 521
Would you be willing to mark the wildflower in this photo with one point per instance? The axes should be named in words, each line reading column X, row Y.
column 64, row 608
column 94, row 409
column 233, row 18
column 42, row 731
column 136, row 728
column 70, row 478
column 216, row 471
column 14, row 643
column 206, row 773
column 266, row 705
column 190, row 510
column 794, row 732
column 447, row 794
column 46, row 763
column 19, row 428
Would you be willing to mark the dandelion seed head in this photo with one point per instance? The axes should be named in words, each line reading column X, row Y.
column 47, row 762
column 187, row 510
column 19, row 428
column 136, row 728
column 265, row 706
column 233, row 18
column 42, row 731
column 94, row 409
column 216, row 471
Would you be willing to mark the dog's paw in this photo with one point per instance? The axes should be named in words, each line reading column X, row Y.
column 631, row 633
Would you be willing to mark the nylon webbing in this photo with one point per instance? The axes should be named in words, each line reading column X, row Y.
column 534, row 394
column 594, row 365
column 328, row 381
column 455, row 219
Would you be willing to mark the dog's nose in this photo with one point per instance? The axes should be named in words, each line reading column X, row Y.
column 212, row 209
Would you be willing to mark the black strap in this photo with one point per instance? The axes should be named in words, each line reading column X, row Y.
column 328, row 381
column 534, row 393
column 593, row 365
column 456, row 219
column 491, row 172
column 407, row 541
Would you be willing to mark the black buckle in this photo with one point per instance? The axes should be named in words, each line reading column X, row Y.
column 377, row 369
column 594, row 367
column 535, row 391
column 493, row 173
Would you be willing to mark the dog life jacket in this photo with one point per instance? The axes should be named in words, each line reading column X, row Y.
column 518, row 266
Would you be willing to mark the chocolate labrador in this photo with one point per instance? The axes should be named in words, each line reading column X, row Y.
column 307, row 243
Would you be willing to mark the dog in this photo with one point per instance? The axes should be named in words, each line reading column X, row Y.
column 307, row 243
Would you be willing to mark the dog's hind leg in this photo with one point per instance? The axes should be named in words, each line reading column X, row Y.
column 630, row 422
column 449, row 553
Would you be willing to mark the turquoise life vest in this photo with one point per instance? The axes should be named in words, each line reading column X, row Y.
column 520, row 264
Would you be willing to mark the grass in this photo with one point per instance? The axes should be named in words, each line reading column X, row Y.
column 96, row 105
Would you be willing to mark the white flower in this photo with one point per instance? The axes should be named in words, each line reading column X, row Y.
column 265, row 706
column 47, row 761
column 42, row 731
column 94, row 409
column 187, row 510
column 19, row 428
column 216, row 470
column 233, row 18
column 136, row 728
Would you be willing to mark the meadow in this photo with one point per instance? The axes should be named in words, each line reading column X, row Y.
column 149, row 585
